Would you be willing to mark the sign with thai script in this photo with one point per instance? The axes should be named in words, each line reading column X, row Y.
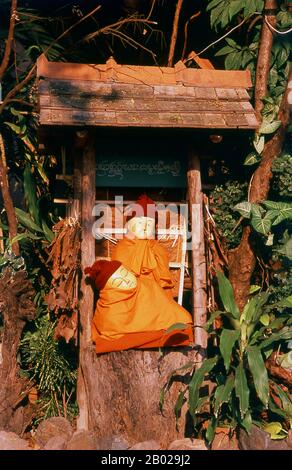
column 141, row 169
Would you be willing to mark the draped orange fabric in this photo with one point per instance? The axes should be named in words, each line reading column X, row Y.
column 139, row 317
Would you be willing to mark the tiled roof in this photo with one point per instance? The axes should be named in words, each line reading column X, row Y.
column 134, row 96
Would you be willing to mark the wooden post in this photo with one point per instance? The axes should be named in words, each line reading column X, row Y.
column 199, row 296
column 87, row 258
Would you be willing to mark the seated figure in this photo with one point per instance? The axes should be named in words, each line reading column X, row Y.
column 130, row 314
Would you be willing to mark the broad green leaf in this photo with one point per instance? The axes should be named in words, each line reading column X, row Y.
column 259, row 373
column 25, row 219
column 213, row 316
column 286, row 402
column 232, row 43
column 269, row 128
column 30, row 194
column 249, row 7
column 253, row 309
column 275, row 430
column 179, row 403
column 196, row 382
column 227, row 342
column 261, row 224
column 12, row 126
column 244, row 208
column 247, row 422
column 259, row 143
column 210, row 433
column 216, row 13
column 23, row 236
column 252, row 159
column 241, row 389
column 48, row 232
column 254, row 288
column 213, row 4
column 227, row 295
column 225, row 50
column 222, row 394
column 233, row 60
column 284, row 333
column 235, row 7
column 265, row 319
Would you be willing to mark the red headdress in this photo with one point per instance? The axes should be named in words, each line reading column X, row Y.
column 101, row 271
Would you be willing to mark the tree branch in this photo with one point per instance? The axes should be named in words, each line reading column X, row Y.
column 174, row 33
column 23, row 82
column 8, row 204
column 9, row 41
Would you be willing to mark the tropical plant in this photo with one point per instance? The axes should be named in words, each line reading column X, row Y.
column 236, row 368
column 51, row 366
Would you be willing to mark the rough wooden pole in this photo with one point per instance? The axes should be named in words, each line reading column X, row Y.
column 87, row 258
column 174, row 33
column 199, row 296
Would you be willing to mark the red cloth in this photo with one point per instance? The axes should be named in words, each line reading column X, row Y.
column 101, row 271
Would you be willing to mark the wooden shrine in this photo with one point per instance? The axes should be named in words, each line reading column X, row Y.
column 109, row 104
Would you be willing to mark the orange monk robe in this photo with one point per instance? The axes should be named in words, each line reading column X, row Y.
column 139, row 317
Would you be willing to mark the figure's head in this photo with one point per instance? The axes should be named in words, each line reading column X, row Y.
column 142, row 225
column 111, row 274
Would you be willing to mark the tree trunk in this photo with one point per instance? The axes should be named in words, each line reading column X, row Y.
column 242, row 259
column 17, row 308
column 119, row 392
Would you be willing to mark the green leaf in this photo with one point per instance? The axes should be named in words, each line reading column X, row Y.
column 30, row 193
column 234, row 8
column 259, row 143
column 179, row 403
column 252, row 159
column 23, row 236
column 227, row 342
column 225, row 50
column 247, row 422
column 176, row 326
column 286, row 402
column 210, row 433
column 275, row 430
column 213, row 4
column 227, row 295
column 213, row 316
column 222, row 394
column 284, row 333
column 233, row 60
column 48, row 232
column 241, row 389
column 265, row 319
column 254, row 288
column 269, row 128
column 25, row 219
column 253, row 309
column 232, row 43
column 244, row 208
column 12, row 126
column 196, row 382
column 249, row 7
column 261, row 224
column 259, row 373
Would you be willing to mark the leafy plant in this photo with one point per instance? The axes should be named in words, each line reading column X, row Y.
column 51, row 365
column 222, row 199
column 237, row 367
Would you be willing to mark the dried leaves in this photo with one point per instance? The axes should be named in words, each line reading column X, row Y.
column 65, row 259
